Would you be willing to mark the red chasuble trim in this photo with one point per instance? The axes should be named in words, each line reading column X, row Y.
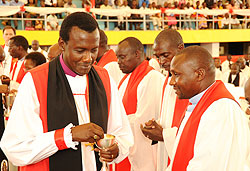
column 59, row 139
column 103, row 74
column 40, row 78
column 21, row 74
column 185, row 148
column 130, row 100
column 108, row 57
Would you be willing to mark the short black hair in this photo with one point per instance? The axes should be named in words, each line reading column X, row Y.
column 36, row 57
column 82, row 20
column 9, row 27
column 20, row 41
column 134, row 43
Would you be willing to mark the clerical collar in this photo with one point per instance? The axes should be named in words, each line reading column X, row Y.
column 66, row 69
column 194, row 100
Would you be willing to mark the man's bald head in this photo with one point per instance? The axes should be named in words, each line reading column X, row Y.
column 134, row 45
column 2, row 54
column 35, row 45
column 242, row 62
column 167, row 44
column 54, row 51
column 103, row 45
column 193, row 71
column 171, row 36
column 200, row 57
column 130, row 54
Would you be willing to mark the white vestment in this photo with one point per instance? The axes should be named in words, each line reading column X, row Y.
column 225, row 66
column 14, row 73
column 169, row 133
column 114, row 71
column 223, row 138
column 242, row 80
column 7, row 61
column 155, row 64
column 142, row 155
column 25, row 143
column 218, row 74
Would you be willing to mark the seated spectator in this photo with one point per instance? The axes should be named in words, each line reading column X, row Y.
column 203, row 18
column 140, row 3
column 146, row 17
column 33, row 60
column 52, row 23
column 135, row 17
column 225, row 21
column 235, row 22
column 121, row 18
column 17, row 15
column 105, row 6
column 156, row 18
column 50, row 3
column 219, row 4
column 189, row 25
column 39, row 23
column 28, row 23
column 117, row 23
column 172, row 22
column 69, row 4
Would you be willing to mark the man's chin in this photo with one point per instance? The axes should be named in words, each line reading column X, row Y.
column 83, row 71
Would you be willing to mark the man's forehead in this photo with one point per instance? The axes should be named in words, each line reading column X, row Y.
column 8, row 31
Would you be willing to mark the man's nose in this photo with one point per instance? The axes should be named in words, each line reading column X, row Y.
column 87, row 56
column 172, row 81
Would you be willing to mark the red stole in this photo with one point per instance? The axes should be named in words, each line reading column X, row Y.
column 130, row 96
column 185, row 150
column 13, row 61
column 21, row 72
column 108, row 57
column 179, row 109
column 130, row 99
column 40, row 78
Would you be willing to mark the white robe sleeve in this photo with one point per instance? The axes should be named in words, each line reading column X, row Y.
column 114, row 71
column 23, row 140
column 118, row 124
column 222, row 141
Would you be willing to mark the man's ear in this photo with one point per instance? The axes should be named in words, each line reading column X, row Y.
column 181, row 46
column 201, row 72
column 137, row 54
column 61, row 44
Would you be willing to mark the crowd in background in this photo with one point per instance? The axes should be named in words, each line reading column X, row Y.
column 154, row 21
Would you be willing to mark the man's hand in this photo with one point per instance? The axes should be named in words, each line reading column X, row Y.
column 89, row 132
column 108, row 154
column 3, row 88
column 5, row 80
column 152, row 130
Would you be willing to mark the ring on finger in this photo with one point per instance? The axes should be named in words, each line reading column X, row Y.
column 95, row 137
column 112, row 156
